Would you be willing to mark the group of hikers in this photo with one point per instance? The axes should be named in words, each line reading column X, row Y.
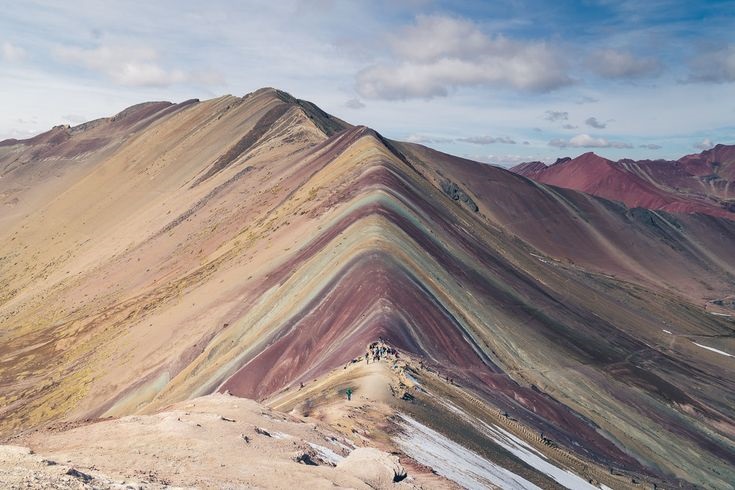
column 376, row 351
column 379, row 350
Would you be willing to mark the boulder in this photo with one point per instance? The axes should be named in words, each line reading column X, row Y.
column 376, row 468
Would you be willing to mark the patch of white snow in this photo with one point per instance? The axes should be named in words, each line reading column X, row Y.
column 524, row 452
column 327, row 454
column 714, row 350
column 453, row 461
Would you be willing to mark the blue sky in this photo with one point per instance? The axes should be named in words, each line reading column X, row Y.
column 502, row 82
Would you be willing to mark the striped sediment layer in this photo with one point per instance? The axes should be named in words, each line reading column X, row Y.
column 181, row 262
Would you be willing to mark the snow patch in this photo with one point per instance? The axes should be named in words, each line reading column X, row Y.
column 541, row 259
column 449, row 459
column 411, row 378
column 327, row 454
column 668, row 332
column 525, row 452
column 280, row 435
column 714, row 350
column 535, row 459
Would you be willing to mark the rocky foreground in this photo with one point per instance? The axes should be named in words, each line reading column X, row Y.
column 217, row 441
column 394, row 432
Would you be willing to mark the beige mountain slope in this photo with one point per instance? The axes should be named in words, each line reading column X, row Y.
column 215, row 441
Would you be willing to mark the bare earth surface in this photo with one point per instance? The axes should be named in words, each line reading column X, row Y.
column 217, row 441
column 152, row 261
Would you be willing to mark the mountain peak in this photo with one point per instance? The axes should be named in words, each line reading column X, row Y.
column 695, row 183
column 590, row 157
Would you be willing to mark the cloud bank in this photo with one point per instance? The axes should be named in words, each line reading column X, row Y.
column 715, row 66
column 614, row 64
column 437, row 54
column 131, row 66
column 587, row 141
column 705, row 144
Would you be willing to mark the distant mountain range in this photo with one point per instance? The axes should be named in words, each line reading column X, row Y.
column 698, row 183
column 548, row 335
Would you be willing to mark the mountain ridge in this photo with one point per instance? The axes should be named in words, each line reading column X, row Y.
column 135, row 289
column 697, row 183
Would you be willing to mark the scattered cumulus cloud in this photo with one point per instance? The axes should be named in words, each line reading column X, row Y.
column 12, row 53
column 439, row 53
column 570, row 126
column 475, row 140
column 587, row 141
column 427, row 140
column 715, row 66
column 354, row 103
column 615, row 64
column 594, row 123
column 705, row 144
column 505, row 160
column 556, row 116
column 487, row 140
column 650, row 146
column 18, row 134
column 131, row 66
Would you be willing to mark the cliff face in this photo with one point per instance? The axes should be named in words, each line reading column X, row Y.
column 251, row 244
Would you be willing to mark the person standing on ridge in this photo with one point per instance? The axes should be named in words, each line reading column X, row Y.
column 349, row 394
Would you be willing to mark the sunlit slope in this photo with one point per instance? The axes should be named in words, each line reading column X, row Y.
column 700, row 183
column 252, row 244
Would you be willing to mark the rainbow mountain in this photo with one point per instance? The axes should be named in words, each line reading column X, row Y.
column 256, row 246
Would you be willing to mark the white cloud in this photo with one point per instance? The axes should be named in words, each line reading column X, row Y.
column 12, row 53
column 433, row 37
column 611, row 63
column 650, row 146
column 507, row 160
column 438, row 54
column 131, row 66
column 487, row 140
column 570, row 126
column 424, row 139
column 587, row 141
column 705, row 144
column 717, row 66
column 594, row 123
column 475, row 140
column 18, row 134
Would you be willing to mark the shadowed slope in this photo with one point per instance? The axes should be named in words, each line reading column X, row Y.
column 690, row 254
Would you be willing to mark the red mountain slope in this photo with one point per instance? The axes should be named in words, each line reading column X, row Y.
column 693, row 184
